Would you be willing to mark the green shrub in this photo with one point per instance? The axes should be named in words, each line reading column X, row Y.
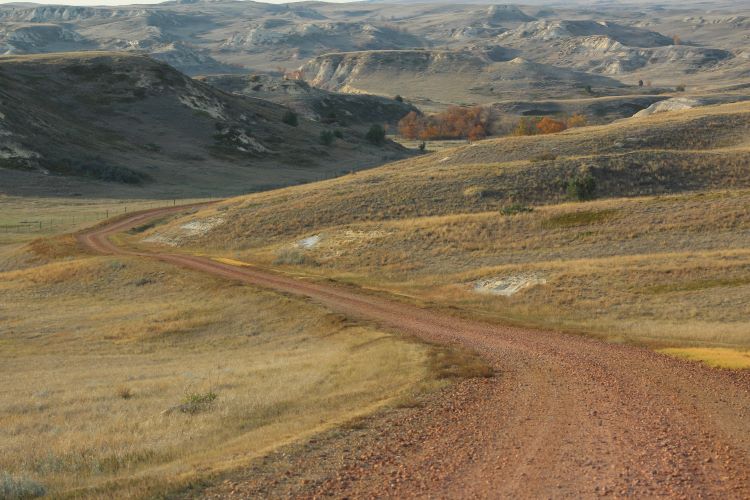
column 294, row 257
column 290, row 118
column 399, row 98
column 582, row 187
column 338, row 133
column 515, row 208
column 544, row 157
column 196, row 402
column 376, row 135
column 326, row 138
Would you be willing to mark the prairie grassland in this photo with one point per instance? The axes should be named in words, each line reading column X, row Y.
column 662, row 257
column 50, row 216
column 123, row 377
column 691, row 151
column 672, row 270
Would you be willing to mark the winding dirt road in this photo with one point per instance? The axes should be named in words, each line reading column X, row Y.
column 567, row 416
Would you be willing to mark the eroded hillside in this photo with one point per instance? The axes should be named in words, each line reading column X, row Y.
column 89, row 122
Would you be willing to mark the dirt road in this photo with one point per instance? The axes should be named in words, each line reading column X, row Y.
column 566, row 416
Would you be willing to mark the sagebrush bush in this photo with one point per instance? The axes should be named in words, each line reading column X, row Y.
column 290, row 118
column 326, row 138
column 124, row 392
column 294, row 257
column 196, row 402
column 17, row 488
column 582, row 187
column 376, row 135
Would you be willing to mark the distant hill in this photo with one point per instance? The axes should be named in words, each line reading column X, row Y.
column 353, row 110
column 667, row 42
column 448, row 76
column 695, row 150
column 111, row 123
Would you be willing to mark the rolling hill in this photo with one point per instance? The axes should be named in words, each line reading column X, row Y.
column 358, row 110
column 128, row 125
column 462, row 227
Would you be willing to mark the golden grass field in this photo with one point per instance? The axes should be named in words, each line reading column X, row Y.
column 661, row 258
column 128, row 377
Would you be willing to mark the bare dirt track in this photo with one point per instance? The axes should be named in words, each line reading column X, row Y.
column 566, row 416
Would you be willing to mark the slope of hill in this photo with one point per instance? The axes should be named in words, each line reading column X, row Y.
column 447, row 76
column 704, row 148
column 314, row 103
column 462, row 227
column 83, row 123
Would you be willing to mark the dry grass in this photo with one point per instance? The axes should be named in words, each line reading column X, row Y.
column 62, row 215
column 717, row 357
column 670, row 267
column 685, row 152
column 132, row 378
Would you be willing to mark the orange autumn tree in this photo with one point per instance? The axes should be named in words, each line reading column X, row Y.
column 549, row 125
column 454, row 123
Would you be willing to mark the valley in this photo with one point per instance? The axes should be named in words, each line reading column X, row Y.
column 364, row 250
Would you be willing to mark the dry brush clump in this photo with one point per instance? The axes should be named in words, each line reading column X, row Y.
column 548, row 125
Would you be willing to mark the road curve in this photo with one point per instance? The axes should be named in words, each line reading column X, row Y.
column 567, row 416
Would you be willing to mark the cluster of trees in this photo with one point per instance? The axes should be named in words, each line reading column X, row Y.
column 454, row 123
column 548, row 125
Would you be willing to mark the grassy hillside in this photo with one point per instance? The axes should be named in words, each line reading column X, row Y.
column 131, row 378
column 660, row 255
column 128, row 126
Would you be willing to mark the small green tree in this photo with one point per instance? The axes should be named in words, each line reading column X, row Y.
column 338, row 133
column 399, row 98
column 290, row 118
column 582, row 187
column 422, row 146
column 376, row 135
column 326, row 138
